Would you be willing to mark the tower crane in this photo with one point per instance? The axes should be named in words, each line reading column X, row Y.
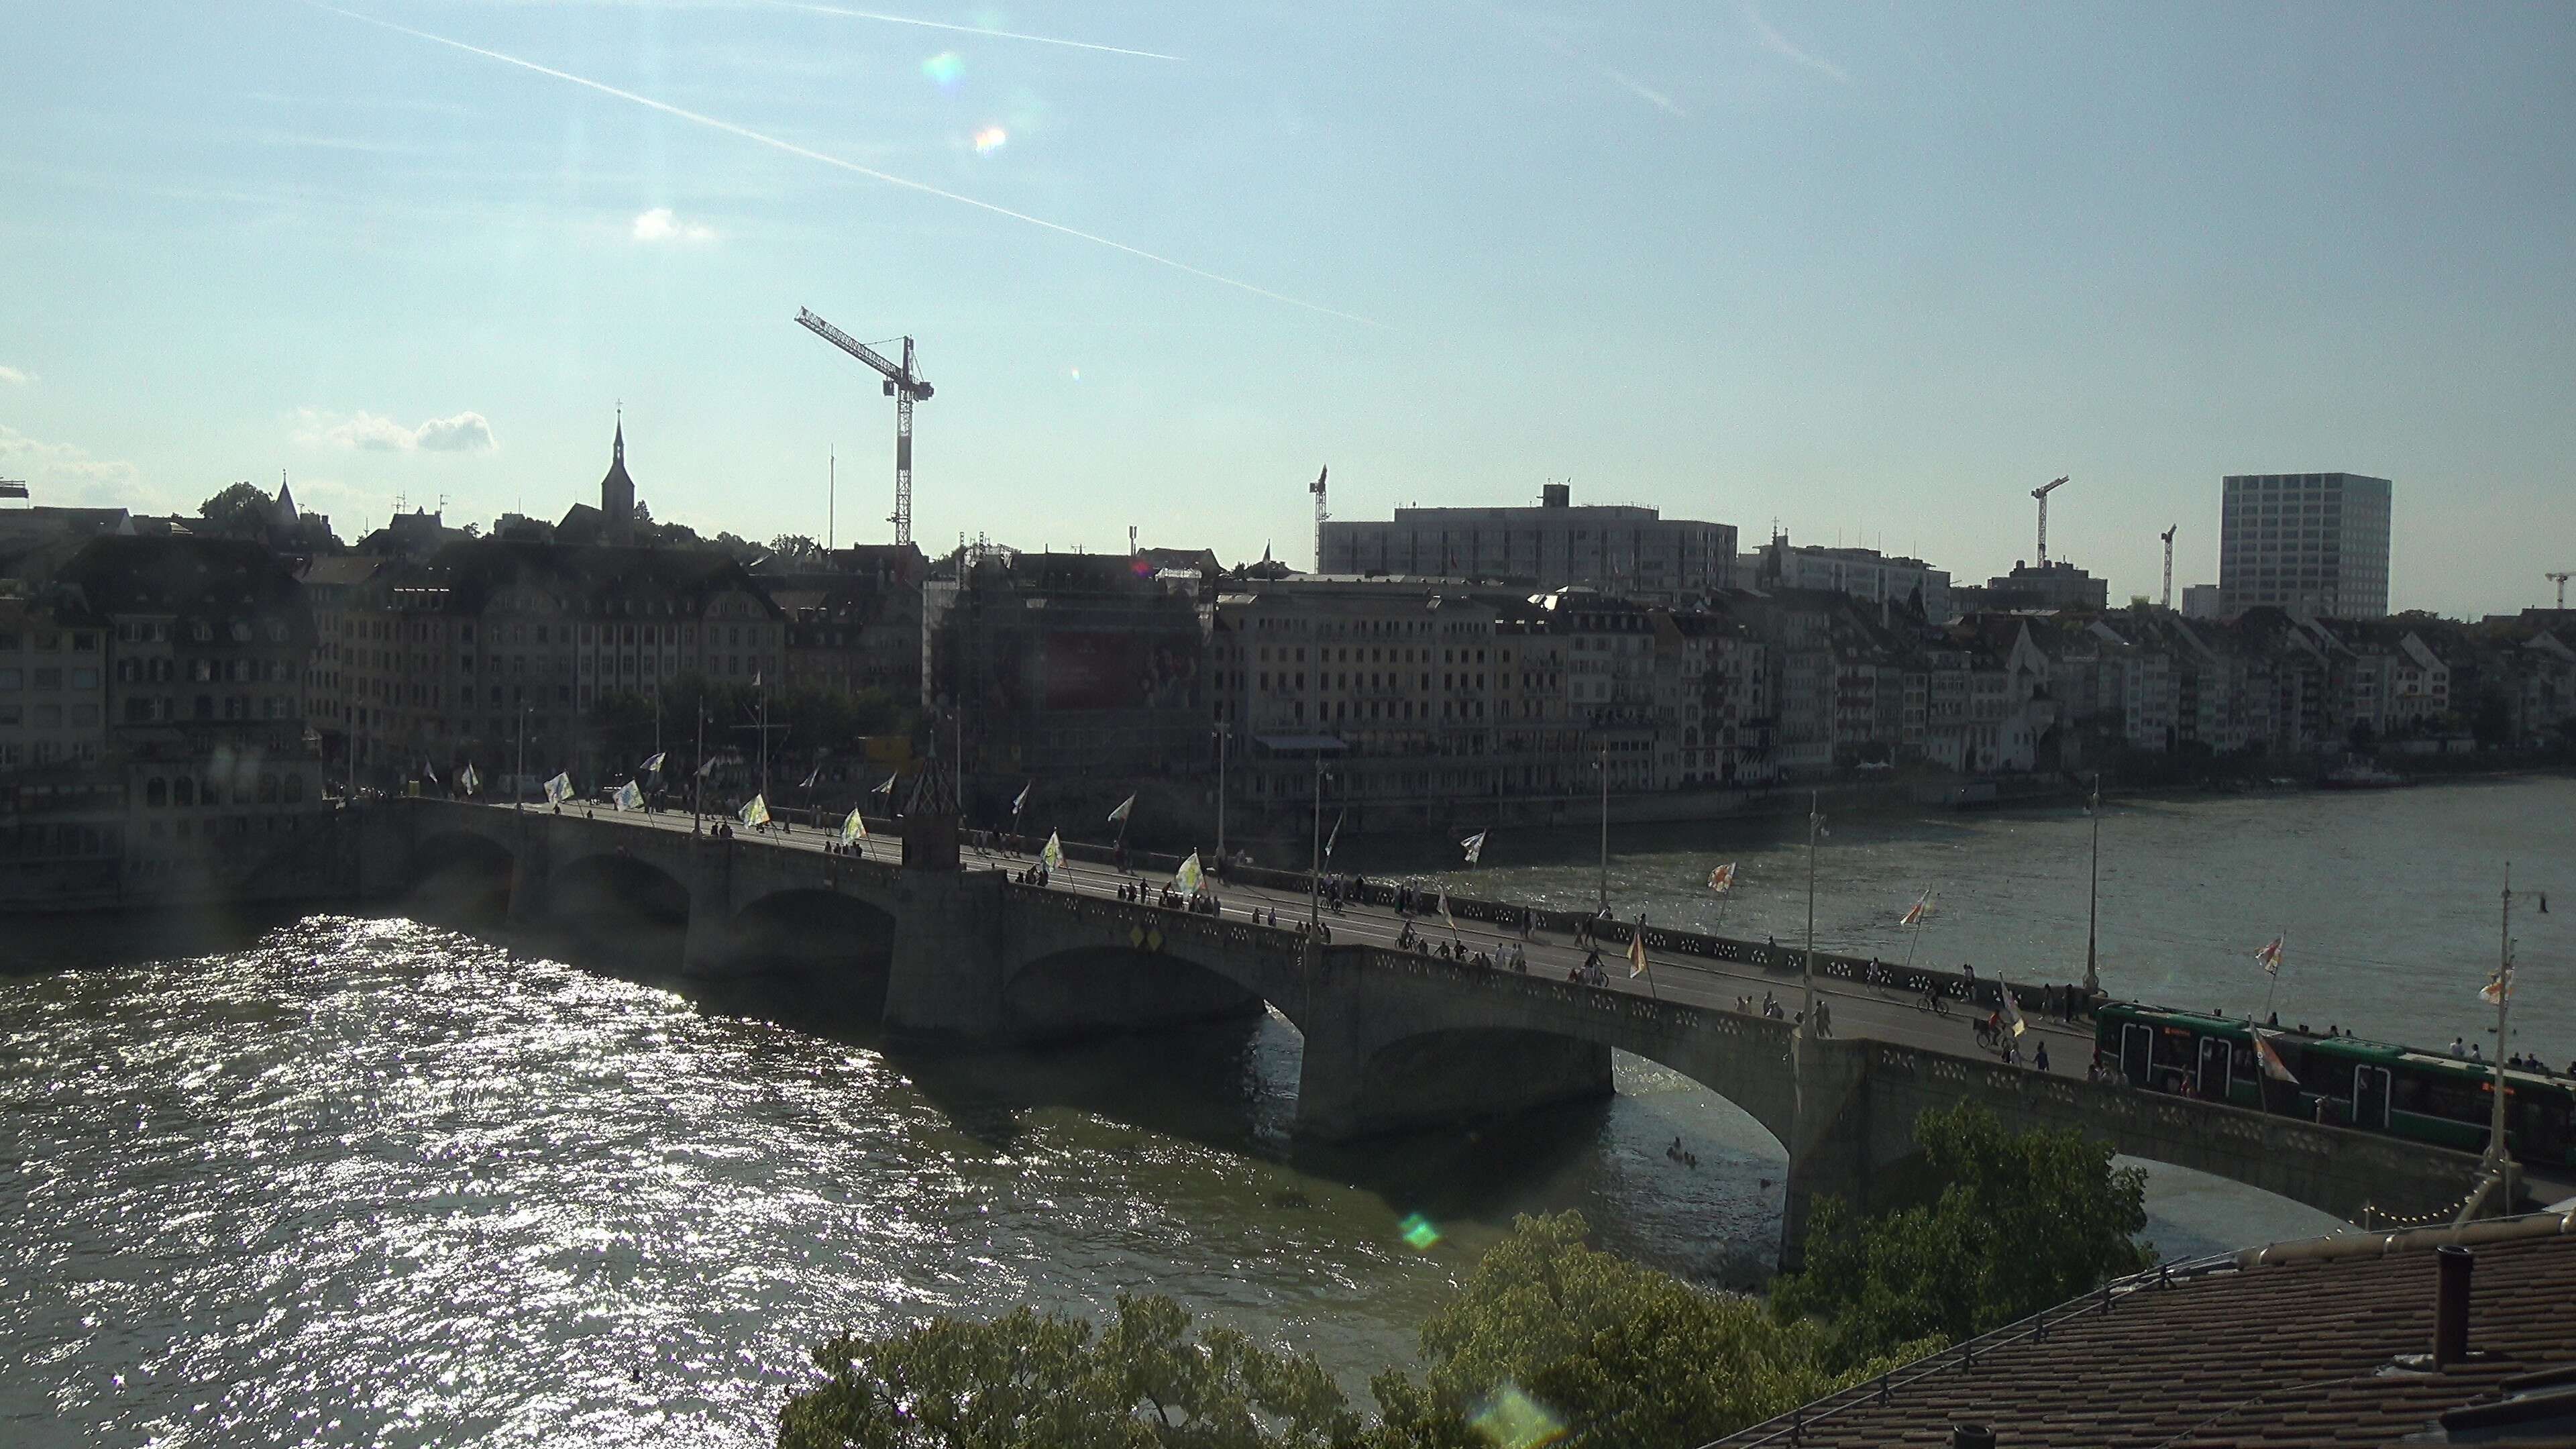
column 2560, row 579
column 905, row 386
column 2169, row 533
column 2041, row 493
column 1317, row 488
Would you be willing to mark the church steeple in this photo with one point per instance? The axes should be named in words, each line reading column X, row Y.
column 617, row 491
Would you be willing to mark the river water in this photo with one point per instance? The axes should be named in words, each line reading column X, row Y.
column 369, row 1181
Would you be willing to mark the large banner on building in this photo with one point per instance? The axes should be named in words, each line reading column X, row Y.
column 1099, row 669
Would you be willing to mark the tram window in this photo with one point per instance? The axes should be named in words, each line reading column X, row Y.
column 2246, row 1071
column 2409, row 1095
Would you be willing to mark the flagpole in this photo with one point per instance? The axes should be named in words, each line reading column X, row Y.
column 2496, row 1156
column 1806, row 1023
column 1315, row 870
column 698, row 774
column 1603, row 765
column 1222, row 732
column 519, row 791
column 2093, row 907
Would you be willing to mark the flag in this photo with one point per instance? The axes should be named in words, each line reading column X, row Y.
column 756, row 811
column 465, row 778
column 1637, row 950
column 1022, row 803
column 2012, row 1009
column 1722, row 879
column 2270, row 957
column 1816, row 822
column 755, row 679
column 1053, row 854
column 1186, row 879
column 630, row 797
column 2498, row 987
column 811, row 776
column 2273, row 1066
column 1444, row 912
column 1335, row 834
column 428, row 772
column 706, row 765
column 652, row 766
column 853, row 829
column 1915, row 913
column 1475, row 845
column 559, row 789
column 1125, row 808
column 885, row 787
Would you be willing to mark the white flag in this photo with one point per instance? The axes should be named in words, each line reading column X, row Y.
column 1125, row 808
column 629, row 797
column 1186, row 879
column 1053, row 854
column 1475, row 845
column 466, row 779
column 1022, row 803
column 428, row 773
column 1915, row 913
column 2012, row 1009
column 1335, row 835
column 853, row 829
column 756, row 812
column 652, row 766
column 1637, row 950
column 810, row 778
column 705, row 766
column 885, row 787
column 1444, row 912
column 559, row 789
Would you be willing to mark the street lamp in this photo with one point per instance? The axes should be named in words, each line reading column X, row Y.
column 2093, row 907
column 1315, row 869
column 1603, row 766
column 1223, row 733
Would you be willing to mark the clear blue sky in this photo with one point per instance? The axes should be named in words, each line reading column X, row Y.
column 1873, row 271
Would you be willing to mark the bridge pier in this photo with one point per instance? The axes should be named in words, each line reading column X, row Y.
column 1830, row 1138
column 531, row 862
column 948, row 972
column 711, row 948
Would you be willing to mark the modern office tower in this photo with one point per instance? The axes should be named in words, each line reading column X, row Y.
column 2316, row 542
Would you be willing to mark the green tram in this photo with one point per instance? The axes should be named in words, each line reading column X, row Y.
column 2342, row 1080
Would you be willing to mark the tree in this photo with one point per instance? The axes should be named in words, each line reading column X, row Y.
column 1030, row 1382
column 1614, row 1352
column 241, row 511
column 2024, row 1221
column 795, row 548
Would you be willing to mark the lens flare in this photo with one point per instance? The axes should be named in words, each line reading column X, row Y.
column 1419, row 1232
column 991, row 139
column 1074, row 372
column 1512, row 1419
column 947, row 70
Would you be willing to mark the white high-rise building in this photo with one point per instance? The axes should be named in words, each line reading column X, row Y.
column 2314, row 542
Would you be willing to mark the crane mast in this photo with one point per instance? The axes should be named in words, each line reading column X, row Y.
column 2041, row 493
column 2169, row 533
column 1317, row 488
column 905, row 386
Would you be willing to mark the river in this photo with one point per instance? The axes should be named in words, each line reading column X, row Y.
column 349, row 1180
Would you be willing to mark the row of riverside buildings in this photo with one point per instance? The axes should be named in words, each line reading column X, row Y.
column 168, row 693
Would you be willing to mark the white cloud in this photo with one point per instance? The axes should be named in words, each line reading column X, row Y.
column 16, row 376
column 66, row 473
column 467, row 432
column 1778, row 44
column 660, row 225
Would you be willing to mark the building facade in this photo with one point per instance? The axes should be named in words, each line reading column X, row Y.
column 1863, row 573
column 1615, row 547
column 2314, row 543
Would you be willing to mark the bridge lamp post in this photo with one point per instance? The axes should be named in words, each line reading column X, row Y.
column 1223, row 733
column 1602, row 765
column 1315, row 868
column 2093, row 908
column 519, row 787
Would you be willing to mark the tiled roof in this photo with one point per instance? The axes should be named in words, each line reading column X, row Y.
column 2281, row 1355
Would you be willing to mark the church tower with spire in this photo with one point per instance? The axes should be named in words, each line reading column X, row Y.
column 617, row 491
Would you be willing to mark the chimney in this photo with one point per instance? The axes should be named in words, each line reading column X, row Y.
column 1971, row 1436
column 1555, row 495
column 2451, row 1265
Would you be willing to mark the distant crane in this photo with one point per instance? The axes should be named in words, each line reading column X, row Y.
column 2041, row 493
column 2560, row 579
column 1321, row 513
column 2169, row 533
column 905, row 386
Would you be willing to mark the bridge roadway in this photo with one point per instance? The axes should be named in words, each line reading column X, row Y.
column 1853, row 1011
column 1392, row 1041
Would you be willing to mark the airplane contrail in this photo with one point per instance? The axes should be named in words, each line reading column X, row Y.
column 828, row 159
column 967, row 29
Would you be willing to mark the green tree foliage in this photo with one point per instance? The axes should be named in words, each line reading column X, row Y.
column 1031, row 1382
column 2023, row 1220
column 241, row 511
column 1614, row 1352
column 796, row 549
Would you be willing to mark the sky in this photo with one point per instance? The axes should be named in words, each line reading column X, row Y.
column 1867, row 273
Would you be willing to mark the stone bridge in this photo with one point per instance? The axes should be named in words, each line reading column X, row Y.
column 1393, row 1041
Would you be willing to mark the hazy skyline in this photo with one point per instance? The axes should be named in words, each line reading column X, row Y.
column 1871, row 271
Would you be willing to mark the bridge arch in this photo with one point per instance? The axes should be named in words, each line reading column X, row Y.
column 461, row 875
column 1094, row 989
column 839, row 944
